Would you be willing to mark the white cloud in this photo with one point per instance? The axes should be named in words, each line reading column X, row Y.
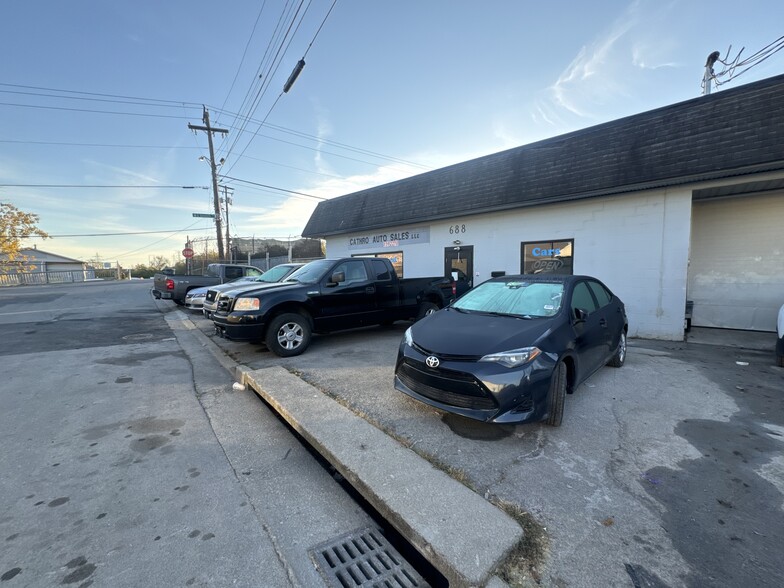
column 591, row 75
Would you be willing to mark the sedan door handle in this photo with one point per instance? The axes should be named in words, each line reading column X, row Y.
column 370, row 290
column 603, row 322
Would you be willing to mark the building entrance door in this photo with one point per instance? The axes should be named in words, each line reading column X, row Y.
column 459, row 263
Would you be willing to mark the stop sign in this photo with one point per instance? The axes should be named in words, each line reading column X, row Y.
column 187, row 252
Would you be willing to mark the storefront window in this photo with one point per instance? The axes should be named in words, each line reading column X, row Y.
column 395, row 258
column 547, row 257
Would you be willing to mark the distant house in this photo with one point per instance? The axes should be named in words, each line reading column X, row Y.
column 677, row 208
column 41, row 267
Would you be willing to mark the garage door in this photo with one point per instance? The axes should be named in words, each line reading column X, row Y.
column 736, row 270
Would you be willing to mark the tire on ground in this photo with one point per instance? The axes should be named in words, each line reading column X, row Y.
column 619, row 358
column 557, row 395
column 426, row 308
column 288, row 334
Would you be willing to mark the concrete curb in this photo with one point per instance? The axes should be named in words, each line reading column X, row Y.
column 459, row 532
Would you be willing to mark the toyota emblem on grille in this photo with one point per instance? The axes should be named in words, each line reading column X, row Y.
column 432, row 361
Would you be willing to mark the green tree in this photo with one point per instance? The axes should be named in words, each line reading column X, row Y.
column 16, row 225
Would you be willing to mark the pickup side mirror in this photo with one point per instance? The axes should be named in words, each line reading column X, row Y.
column 580, row 315
column 336, row 278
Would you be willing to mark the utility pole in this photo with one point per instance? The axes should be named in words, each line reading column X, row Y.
column 226, row 201
column 216, row 199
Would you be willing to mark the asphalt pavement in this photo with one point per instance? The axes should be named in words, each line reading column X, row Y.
column 666, row 472
column 129, row 459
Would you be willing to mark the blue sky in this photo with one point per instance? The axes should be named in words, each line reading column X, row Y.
column 390, row 89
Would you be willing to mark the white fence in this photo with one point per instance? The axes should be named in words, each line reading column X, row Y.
column 56, row 277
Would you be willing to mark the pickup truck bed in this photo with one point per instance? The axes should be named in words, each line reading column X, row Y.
column 176, row 287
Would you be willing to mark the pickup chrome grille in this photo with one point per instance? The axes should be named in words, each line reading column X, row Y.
column 446, row 386
column 224, row 304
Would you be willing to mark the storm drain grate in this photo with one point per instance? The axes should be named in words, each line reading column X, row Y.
column 364, row 558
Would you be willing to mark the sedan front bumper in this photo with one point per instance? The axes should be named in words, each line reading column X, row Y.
column 482, row 391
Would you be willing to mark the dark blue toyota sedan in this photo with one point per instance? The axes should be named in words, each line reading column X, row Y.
column 510, row 350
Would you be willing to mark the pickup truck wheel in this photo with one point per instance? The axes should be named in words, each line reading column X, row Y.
column 288, row 335
column 426, row 308
column 179, row 302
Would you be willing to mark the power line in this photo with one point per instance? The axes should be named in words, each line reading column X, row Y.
column 73, row 144
column 92, row 111
column 127, row 253
column 101, row 186
column 274, row 188
column 190, row 228
column 186, row 104
column 135, row 102
column 260, row 81
column 244, row 53
column 194, row 104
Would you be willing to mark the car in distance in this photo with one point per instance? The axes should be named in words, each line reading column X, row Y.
column 175, row 287
column 276, row 273
column 194, row 299
column 510, row 350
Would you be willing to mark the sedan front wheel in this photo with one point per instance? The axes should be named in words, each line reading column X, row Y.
column 557, row 395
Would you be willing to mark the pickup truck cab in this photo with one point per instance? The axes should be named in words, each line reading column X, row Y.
column 327, row 295
column 175, row 287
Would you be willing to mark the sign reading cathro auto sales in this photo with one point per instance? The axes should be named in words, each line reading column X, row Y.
column 399, row 238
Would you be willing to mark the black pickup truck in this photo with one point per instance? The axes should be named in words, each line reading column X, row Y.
column 175, row 287
column 327, row 295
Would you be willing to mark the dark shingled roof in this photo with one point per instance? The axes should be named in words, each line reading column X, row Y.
column 732, row 132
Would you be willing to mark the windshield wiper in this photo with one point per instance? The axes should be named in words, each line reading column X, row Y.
column 493, row 313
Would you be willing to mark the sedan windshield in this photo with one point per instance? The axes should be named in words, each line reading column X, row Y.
column 274, row 274
column 518, row 298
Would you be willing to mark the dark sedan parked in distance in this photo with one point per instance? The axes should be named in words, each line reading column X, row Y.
column 510, row 350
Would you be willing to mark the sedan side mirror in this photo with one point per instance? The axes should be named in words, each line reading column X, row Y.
column 580, row 315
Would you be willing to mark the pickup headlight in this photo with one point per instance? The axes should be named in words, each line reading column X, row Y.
column 408, row 338
column 513, row 357
column 247, row 304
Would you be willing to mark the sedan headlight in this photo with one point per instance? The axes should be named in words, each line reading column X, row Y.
column 247, row 304
column 514, row 357
column 408, row 338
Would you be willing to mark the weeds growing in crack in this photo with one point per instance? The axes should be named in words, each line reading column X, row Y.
column 524, row 565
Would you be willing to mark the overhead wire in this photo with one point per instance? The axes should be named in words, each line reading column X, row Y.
column 244, row 54
column 294, row 192
column 324, row 20
column 146, row 101
column 731, row 65
column 155, row 186
column 258, row 78
column 175, row 102
column 274, row 64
